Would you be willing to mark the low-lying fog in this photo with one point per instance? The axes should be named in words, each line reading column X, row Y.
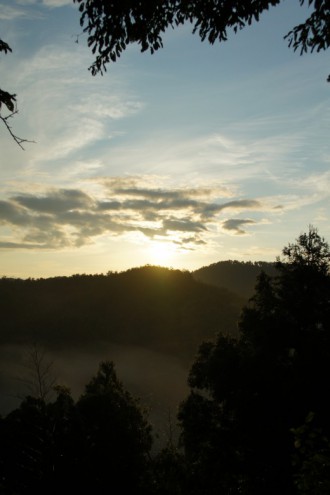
column 158, row 380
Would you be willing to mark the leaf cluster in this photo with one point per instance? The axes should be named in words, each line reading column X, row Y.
column 9, row 100
column 314, row 33
column 113, row 25
column 245, row 415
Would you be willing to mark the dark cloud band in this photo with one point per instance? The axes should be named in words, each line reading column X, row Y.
column 71, row 217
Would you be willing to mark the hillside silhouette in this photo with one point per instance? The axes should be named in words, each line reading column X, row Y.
column 157, row 308
column 150, row 321
column 254, row 420
column 236, row 276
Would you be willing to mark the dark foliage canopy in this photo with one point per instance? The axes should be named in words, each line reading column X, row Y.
column 8, row 100
column 245, row 423
column 113, row 25
column 97, row 444
column 256, row 421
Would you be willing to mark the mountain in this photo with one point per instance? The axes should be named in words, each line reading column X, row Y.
column 150, row 321
column 157, row 308
column 236, row 276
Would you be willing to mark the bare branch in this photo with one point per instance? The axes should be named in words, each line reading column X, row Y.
column 40, row 379
column 9, row 100
column 16, row 138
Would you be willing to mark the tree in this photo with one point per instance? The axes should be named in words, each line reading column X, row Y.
column 117, row 436
column 40, row 379
column 311, row 460
column 40, row 446
column 112, row 26
column 9, row 100
column 250, row 396
column 101, row 441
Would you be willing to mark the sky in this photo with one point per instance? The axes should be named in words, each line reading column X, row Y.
column 184, row 158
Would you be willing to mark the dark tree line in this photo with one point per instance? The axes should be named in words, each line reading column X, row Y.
column 100, row 442
column 250, row 395
column 256, row 420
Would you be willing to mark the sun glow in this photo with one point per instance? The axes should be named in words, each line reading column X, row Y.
column 161, row 253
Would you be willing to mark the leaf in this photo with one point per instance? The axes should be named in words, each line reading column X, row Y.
column 4, row 47
column 8, row 99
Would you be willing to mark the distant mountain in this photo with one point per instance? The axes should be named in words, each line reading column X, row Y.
column 236, row 276
column 152, row 307
column 150, row 321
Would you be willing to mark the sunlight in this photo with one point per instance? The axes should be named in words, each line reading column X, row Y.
column 161, row 253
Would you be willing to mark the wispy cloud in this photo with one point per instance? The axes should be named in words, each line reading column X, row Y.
column 56, row 3
column 47, row 3
column 62, row 111
column 12, row 12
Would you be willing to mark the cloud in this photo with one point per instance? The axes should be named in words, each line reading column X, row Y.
column 234, row 224
column 17, row 245
column 22, row 10
column 11, row 213
column 58, row 201
column 9, row 13
column 56, row 3
column 185, row 225
column 65, row 218
column 47, row 3
column 242, row 204
column 65, row 110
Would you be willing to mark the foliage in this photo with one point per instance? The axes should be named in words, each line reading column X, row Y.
column 117, row 435
column 170, row 476
column 101, row 441
column 112, row 26
column 6, row 98
column 9, row 100
column 311, row 460
column 256, row 420
column 248, row 393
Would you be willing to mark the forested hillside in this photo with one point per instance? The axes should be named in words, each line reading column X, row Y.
column 255, row 420
column 157, row 308
column 236, row 276
column 149, row 320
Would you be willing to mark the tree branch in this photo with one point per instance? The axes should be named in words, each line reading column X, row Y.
column 16, row 138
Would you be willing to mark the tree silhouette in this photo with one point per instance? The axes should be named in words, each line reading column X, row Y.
column 112, row 26
column 9, row 101
column 311, row 460
column 40, row 378
column 100, row 443
column 247, row 394
column 117, row 435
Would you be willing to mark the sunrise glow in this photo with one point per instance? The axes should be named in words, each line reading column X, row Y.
column 161, row 253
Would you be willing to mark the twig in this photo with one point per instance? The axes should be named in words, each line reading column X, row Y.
column 16, row 138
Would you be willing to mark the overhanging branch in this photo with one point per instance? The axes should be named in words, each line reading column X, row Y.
column 16, row 138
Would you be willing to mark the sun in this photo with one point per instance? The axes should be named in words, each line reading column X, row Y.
column 161, row 253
